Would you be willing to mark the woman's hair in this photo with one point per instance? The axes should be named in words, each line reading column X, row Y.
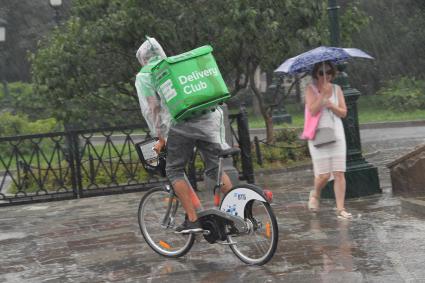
column 319, row 66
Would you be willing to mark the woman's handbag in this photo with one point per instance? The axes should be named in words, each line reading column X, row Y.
column 310, row 125
column 324, row 136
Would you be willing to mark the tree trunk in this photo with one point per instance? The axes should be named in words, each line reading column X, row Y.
column 265, row 111
column 298, row 89
column 269, row 129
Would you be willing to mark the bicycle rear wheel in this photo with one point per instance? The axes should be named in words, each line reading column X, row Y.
column 259, row 244
column 159, row 213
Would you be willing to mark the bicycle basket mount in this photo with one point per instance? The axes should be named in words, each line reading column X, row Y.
column 152, row 162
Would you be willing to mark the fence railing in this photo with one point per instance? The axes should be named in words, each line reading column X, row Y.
column 66, row 165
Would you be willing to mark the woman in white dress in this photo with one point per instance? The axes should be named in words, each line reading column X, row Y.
column 328, row 160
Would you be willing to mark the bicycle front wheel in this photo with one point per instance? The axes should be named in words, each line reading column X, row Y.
column 159, row 213
column 259, row 244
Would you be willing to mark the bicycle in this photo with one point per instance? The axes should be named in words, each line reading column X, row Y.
column 243, row 219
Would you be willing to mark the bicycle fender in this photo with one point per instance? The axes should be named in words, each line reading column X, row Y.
column 235, row 201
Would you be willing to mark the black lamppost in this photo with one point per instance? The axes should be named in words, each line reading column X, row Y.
column 3, row 24
column 277, row 89
column 333, row 22
column 362, row 177
column 56, row 5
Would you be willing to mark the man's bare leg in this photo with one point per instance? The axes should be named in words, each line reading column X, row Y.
column 182, row 189
column 227, row 183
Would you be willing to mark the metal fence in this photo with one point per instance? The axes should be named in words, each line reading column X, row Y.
column 66, row 165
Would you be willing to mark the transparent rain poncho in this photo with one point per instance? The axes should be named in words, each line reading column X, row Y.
column 156, row 115
column 208, row 127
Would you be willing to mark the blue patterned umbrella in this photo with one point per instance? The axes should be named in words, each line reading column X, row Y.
column 305, row 61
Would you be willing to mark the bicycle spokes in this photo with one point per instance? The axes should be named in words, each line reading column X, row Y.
column 258, row 245
column 159, row 211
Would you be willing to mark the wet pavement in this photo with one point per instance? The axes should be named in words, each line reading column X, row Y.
column 98, row 239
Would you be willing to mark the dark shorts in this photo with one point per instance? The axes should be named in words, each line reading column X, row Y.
column 180, row 150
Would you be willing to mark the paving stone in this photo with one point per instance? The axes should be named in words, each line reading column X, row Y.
column 98, row 240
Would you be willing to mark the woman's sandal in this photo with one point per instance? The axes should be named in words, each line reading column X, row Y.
column 342, row 214
column 313, row 202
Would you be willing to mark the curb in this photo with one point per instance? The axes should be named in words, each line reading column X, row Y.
column 262, row 131
column 416, row 205
column 302, row 167
column 395, row 124
column 365, row 126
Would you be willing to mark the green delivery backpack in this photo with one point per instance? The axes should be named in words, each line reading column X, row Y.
column 190, row 83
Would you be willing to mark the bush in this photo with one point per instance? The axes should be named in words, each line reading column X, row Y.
column 51, row 183
column 11, row 125
column 287, row 150
column 22, row 100
column 404, row 94
column 15, row 125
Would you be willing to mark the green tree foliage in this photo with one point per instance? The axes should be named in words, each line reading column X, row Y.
column 27, row 22
column 13, row 125
column 395, row 36
column 352, row 21
column 404, row 94
column 20, row 99
column 86, row 69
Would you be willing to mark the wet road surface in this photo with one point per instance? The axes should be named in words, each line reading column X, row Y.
column 98, row 239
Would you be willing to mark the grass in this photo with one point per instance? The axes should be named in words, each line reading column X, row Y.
column 369, row 110
column 49, row 155
column 383, row 115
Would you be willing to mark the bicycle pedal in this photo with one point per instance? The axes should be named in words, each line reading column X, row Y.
column 227, row 243
column 191, row 232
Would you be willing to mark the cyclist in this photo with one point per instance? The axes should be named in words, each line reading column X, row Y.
column 206, row 132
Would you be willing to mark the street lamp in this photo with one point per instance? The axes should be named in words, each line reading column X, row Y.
column 361, row 177
column 2, row 30
column 6, row 101
column 279, row 114
column 56, row 4
column 333, row 22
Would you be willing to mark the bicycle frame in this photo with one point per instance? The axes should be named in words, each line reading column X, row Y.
column 231, row 208
column 166, row 221
column 235, row 220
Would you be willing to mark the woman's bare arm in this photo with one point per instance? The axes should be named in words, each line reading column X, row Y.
column 339, row 110
column 313, row 102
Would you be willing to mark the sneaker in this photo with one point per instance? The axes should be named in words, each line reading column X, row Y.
column 189, row 227
column 342, row 214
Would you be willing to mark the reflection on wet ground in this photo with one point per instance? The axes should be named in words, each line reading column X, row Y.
column 98, row 240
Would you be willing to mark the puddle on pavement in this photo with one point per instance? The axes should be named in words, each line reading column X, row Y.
column 8, row 236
